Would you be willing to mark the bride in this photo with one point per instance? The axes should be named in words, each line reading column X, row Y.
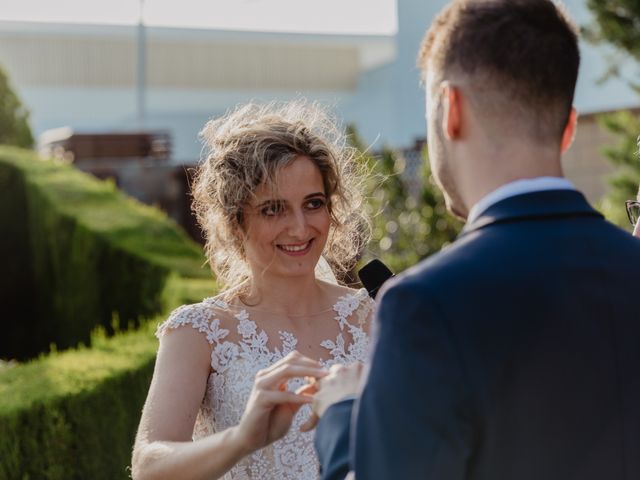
column 277, row 193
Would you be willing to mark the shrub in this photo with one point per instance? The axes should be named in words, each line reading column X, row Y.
column 79, row 254
column 74, row 414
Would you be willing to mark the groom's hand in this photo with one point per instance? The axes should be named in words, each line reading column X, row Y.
column 342, row 382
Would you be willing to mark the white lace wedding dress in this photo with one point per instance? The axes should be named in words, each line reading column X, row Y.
column 235, row 363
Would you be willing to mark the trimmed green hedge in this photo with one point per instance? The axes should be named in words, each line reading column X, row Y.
column 74, row 414
column 78, row 254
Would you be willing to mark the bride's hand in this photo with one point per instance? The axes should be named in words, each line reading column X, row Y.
column 342, row 382
column 271, row 408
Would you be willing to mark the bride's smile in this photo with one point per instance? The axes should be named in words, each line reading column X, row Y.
column 296, row 250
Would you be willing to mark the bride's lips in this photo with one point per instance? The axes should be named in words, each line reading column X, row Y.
column 296, row 249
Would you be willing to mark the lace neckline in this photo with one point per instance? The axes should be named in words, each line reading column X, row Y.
column 253, row 342
column 349, row 299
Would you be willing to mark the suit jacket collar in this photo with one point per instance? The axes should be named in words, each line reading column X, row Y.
column 534, row 205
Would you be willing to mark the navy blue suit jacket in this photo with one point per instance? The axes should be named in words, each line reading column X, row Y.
column 512, row 354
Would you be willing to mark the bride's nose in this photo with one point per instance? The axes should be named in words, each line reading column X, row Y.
column 297, row 226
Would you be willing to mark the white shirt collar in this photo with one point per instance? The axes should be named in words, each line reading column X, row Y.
column 518, row 187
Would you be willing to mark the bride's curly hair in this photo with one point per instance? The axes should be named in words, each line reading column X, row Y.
column 247, row 147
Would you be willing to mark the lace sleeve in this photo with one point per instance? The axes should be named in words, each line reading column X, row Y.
column 357, row 308
column 354, row 312
column 364, row 314
column 200, row 316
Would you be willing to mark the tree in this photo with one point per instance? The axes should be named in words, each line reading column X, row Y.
column 14, row 118
column 408, row 224
column 617, row 23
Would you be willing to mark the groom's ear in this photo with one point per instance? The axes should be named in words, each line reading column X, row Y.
column 452, row 111
column 569, row 131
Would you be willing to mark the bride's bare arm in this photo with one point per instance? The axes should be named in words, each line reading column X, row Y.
column 163, row 447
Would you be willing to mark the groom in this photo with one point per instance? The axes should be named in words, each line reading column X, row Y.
column 515, row 353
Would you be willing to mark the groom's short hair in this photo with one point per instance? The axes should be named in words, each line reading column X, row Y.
column 519, row 57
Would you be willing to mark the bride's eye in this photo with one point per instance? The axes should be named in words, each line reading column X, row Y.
column 315, row 203
column 272, row 209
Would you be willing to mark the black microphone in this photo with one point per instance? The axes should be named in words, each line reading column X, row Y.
column 373, row 275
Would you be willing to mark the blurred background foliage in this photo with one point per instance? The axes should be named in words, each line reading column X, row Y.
column 616, row 25
column 409, row 218
column 14, row 117
column 624, row 182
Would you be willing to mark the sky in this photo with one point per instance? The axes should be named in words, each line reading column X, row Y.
column 376, row 17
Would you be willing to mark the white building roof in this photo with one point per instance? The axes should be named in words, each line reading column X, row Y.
column 71, row 55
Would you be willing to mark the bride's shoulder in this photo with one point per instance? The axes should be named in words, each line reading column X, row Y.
column 208, row 316
column 352, row 303
column 340, row 292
